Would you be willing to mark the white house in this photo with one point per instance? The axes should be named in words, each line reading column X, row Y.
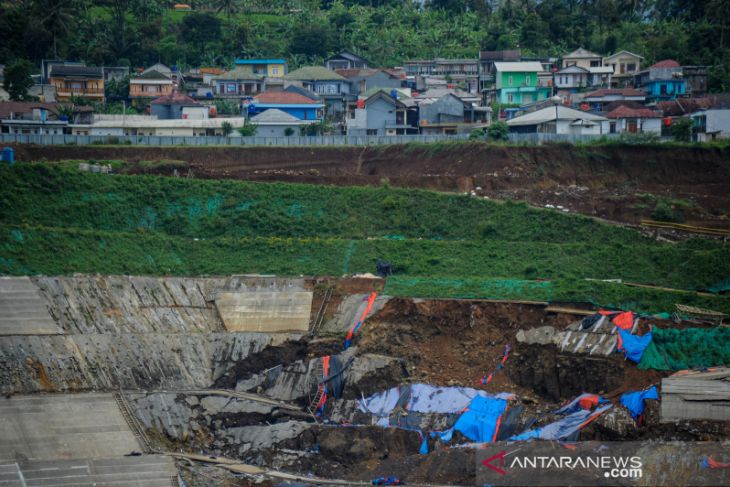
column 634, row 120
column 118, row 125
column 560, row 120
column 277, row 123
column 711, row 124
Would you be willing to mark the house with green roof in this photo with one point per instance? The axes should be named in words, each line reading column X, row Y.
column 239, row 82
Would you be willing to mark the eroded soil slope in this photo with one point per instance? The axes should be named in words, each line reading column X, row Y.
column 622, row 183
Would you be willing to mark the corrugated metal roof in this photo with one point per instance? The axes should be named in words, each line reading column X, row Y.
column 548, row 115
column 274, row 116
column 175, row 123
column 519, row 67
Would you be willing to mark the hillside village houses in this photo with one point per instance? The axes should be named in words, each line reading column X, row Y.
column 605, row 94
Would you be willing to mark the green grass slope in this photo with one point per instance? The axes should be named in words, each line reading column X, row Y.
column 56, row 220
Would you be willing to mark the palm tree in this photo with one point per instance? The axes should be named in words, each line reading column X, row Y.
column 57, row 16
column 227, row 6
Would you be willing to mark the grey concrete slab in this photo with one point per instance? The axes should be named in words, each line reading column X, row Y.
column 10, row 475
column 132, row 304
column 22, row 309
column 142, row 471
column 63, row 426
column 264, row 311
column 104, row 362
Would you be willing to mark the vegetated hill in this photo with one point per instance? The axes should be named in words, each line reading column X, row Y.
column 59, row 221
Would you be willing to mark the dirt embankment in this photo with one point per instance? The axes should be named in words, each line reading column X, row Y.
column 623, row 183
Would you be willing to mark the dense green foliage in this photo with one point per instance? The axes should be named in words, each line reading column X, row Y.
column 57, row 220
column 387, row 32
column 17, row 79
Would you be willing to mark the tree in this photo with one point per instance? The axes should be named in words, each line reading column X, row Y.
column 248, row 129
column 311, row 39
column 228, row 7
column 498, row 131
column 17, row 79
column 682, row 130
column 116, row 90
column 289, row 131
column 57, row 16
column 226, row 128
column 315, row 128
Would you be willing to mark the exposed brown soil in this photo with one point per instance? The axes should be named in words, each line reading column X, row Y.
column 606, row 181
column 457, row 342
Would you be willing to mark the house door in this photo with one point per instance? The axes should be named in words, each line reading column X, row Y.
column 631, row 126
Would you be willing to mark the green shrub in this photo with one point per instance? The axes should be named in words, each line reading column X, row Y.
column 498, row 131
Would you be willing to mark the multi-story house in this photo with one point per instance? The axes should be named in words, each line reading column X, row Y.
column 150, row 84
column 345, row 60
column 582, row 58
column 695, row 78
column 463, row 72
column 574, row 78
column 625, row 65
column 486, row 65
column 379, row 114
column 330, row 86
column 237, row 83
column 77, row 82
column 662, row 81
column 518, row 83
column 423, row 67
column 269, row 68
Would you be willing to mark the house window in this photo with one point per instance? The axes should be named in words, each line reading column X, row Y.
column 372, row 131
column 510, row 98
column 275, row 70
column 231, row 87
column 631, row 67
column 527, row 80
column 595, row 64
column 509, row 81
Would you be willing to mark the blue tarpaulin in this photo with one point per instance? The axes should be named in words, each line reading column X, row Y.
column 633, row 346
column 634, row 401
column 563, row 428
column 584, row 401
column 479, row 422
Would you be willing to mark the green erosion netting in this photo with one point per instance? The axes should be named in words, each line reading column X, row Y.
column 601, row 294
column 691, row 348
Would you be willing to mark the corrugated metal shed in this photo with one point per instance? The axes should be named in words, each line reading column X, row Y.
column 696, row 395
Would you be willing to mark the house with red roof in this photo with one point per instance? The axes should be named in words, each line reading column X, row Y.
column 295, row 104
column 662, row 81
column 626, row 119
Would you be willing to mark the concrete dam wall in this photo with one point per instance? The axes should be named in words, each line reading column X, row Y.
column 102, row 333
